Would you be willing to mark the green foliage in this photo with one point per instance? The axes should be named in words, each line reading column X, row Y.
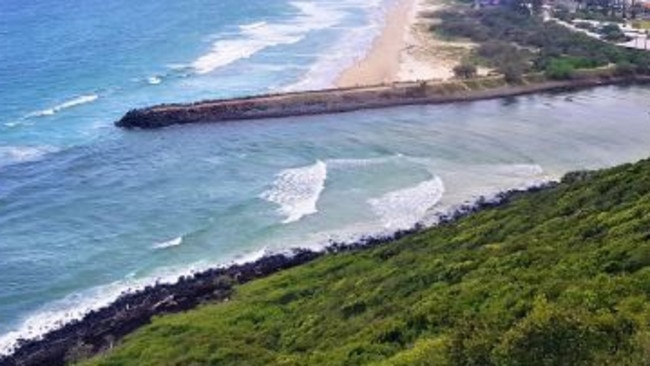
column 586, row 25
column 511, row 40
column 560, row 69
column 613, row 33
column 556, row 277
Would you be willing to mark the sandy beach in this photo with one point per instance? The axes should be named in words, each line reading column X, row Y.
column 382, row 63
column 407, row 50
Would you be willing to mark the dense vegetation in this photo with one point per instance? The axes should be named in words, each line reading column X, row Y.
column 556, row 277
column 515, row 42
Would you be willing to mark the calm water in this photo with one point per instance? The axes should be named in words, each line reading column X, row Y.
column 87, row 211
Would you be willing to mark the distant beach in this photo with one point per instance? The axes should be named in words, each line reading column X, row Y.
column 407, row 49
column 397, row 53
column 383, row 62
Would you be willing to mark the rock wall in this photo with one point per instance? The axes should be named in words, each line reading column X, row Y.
column 345, row 100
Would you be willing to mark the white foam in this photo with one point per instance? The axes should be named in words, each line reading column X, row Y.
column 259, row 36
column 404, row 208
column 358, row 163
column 297, row 191
column 58, row 313
column 154, row 80
column 252, row 26
column 251, row 256
column 169, row 243
column 84, row 99
column 55, row 315
column 21, row 154
column 12, row 124
column 519, row 170
column 352, row 46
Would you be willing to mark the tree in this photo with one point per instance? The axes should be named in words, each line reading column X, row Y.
column 612, row 32
column 465, row 70
column 512, row 72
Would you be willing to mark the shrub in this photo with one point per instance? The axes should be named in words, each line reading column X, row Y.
column 613, row 33
column 559, row 69
column 551, row 335
column 465, row 70
column 585, row 25
column 625, row 69
column 512, row 72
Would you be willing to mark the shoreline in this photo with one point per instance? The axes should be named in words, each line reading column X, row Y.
column 382, row 62
column 406, row 50
column 100, row 329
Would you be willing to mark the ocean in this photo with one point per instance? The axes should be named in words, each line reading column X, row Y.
column 88, row 211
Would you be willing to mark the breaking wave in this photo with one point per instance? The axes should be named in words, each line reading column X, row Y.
column 404, row 208
column 21, row 154
column 169, row 243
column 297, row 191
column 259, row 36
column 84, row 99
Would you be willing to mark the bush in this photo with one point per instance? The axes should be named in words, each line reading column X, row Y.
column 625, row 69
column 585, row 25
column 613, row 33
column 551, row 335
column 513, row 73
column 465, row 70
column 559, row 69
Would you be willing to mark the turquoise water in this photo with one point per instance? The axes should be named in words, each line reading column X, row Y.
column 69, row 68
column 88, row 211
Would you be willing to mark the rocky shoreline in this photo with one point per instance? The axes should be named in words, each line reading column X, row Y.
column 99, row 330
column 352, row 99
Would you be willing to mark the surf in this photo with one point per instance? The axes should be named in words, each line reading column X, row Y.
column 169, row 243
column 80, row 100
column 297, row 191
column 256, row 37
column 403, row 208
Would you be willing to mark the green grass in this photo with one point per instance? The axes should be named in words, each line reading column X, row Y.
column 556, row 277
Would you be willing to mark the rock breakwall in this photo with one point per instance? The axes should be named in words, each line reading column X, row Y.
column 352, row 99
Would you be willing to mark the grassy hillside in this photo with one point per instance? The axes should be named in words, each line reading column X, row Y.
column 557, row 277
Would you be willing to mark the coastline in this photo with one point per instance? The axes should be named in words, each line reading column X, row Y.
column 382, row 63
column 407, row 50
column 215, row 284
column 99, row 330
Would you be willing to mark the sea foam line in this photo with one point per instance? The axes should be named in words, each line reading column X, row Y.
column 297, row 191
column 57, row 314
column 353, row 43
column 83, row 99
column 169, row 243
column 21, row 154
column 259, row 36
column 401, row 209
